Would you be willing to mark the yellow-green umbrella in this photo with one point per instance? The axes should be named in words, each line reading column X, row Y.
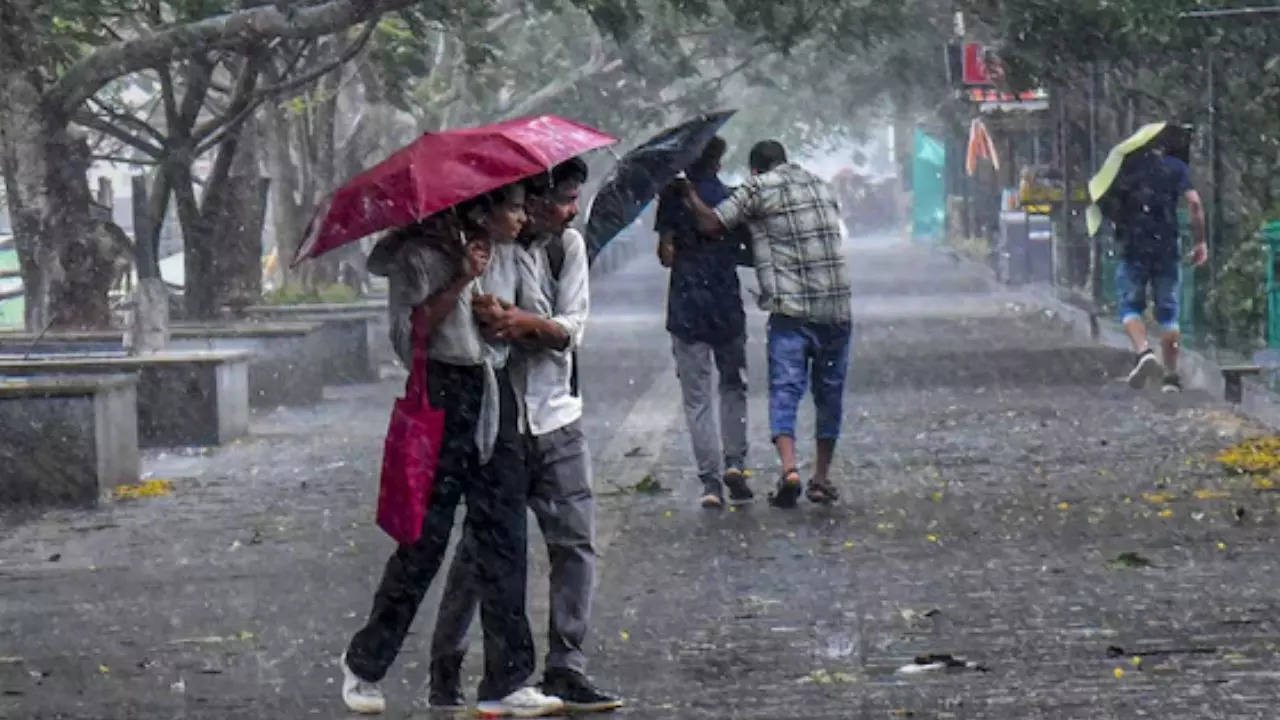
column 1101, row 182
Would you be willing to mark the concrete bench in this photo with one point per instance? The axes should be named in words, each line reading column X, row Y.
column 189, row 397
column 287, row 366
column 1233, row 380
column 353, row 336
column 285, row 369
column 67, row 440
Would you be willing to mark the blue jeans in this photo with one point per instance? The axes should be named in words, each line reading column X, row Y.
column 1163, row 274
column 800, row 351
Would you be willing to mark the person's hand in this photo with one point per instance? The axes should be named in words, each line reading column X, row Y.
column 514, row 324
column 476, row 259
column 487, row 309
column 680, row 187
column 666, row 253
column 1200, row 254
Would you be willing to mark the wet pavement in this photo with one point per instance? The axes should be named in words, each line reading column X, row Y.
column 1005, row 501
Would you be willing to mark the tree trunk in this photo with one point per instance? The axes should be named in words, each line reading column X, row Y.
column 286, row 210
column 48, row 194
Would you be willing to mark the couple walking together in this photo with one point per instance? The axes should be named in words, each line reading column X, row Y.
column 499, row 287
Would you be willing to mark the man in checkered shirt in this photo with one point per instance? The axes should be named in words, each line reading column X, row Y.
column 804, row 286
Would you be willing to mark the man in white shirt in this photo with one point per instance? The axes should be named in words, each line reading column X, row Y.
column 546, row 325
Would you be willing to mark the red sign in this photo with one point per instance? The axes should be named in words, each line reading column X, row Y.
column 976, row 69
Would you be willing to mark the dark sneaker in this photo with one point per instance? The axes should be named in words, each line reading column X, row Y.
column 736, row 481
column 1145, row 367
column 577, row 692
column 712, row 494
column 789, row 489
column 1172, row 383
column 446, row 684
column 822, row 493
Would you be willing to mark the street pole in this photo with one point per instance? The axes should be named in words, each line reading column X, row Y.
column 1095, row 245
column 1215, row 164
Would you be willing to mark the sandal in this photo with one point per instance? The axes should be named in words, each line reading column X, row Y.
column 789, row 489
column 822, row 492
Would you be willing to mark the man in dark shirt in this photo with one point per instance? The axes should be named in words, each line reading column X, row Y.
column 707, row 325
column 1150, row 186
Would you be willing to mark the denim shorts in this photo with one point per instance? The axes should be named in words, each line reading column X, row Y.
column 801, row 352
column 1164, row 275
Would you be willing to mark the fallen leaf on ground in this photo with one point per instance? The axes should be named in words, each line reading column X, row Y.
column 648, row 484
column 149, row 488
column 1256, row 455
column 1211, row 494
column 1159, row 498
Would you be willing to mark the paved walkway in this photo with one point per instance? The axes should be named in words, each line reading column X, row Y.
column 1003, row 496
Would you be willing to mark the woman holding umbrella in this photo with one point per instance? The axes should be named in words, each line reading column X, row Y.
column 437, row 269
column 457, row 202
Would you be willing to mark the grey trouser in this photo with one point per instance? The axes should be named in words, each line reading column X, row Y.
column 722, row 439
column 560, row 496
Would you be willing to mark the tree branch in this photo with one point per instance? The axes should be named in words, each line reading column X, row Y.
column 93, row 122
column 199, row 74
column 230, row 122
column 125, row 160
column 599, row 63
column 127, row 119
column 256, row 25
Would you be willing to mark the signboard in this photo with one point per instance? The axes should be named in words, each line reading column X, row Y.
column 990, row 100
column 978, row 65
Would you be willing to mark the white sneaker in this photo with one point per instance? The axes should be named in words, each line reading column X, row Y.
column 360, row 696
column 525, row 702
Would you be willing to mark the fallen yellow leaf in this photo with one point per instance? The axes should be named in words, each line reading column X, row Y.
column 1159, row 497
column 1211, row 494
column 1119, row 673
column 624, row 635
column 1166, row 513
column 1064, row 505
column 149, row 488
column 931, row 538
column 667, row 513
column 1222, row 546
column 104, row 669
column 848, row 544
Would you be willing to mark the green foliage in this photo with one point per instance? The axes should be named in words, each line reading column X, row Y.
column 1237, row 305
column 297, row 294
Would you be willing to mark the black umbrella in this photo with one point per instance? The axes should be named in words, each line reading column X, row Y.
column 642, row 173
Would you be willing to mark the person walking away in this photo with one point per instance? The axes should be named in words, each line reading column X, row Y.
column 548, row 326
column 794, row 221
column 708, row 327
column 434, row 281
column 1147, row 230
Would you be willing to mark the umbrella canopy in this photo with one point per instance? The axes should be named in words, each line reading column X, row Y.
column 1174, row 139
column 642, row 173
column 440, row 170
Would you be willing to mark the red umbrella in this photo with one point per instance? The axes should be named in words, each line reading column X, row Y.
column 440, row 170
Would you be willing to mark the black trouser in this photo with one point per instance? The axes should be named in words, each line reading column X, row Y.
column 496, row 520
